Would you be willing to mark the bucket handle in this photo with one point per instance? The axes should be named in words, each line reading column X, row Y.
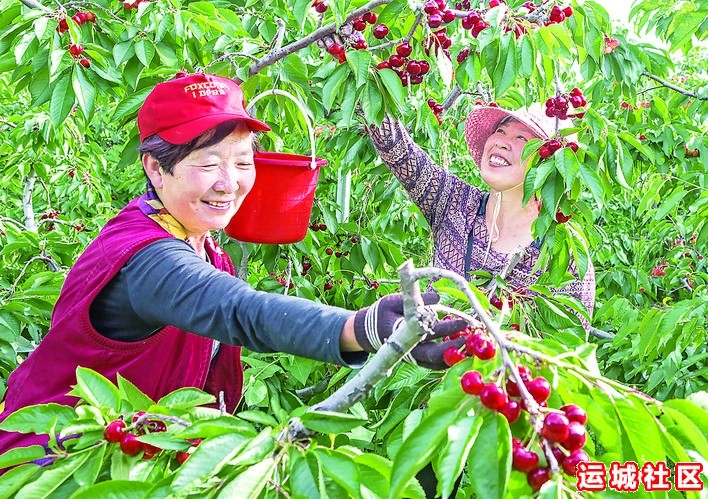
column 301, row 107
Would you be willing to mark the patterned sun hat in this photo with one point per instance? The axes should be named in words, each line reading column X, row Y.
column 483, row 120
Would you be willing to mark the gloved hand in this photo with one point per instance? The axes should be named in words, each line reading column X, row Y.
column 374, row 324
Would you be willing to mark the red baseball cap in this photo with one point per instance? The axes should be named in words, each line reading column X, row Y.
column 182, row 109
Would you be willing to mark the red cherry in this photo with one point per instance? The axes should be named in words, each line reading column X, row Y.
column 448, row 16
column 396, row 60
column 480, row 346
column 544, row 152
column 327, row 286
column 472, row 382
column 573, row 146
column 452, row 356
column 435, row 20
column 149, row 450
column 539, row 388
column 182, row 457
column 115, row 431
column 329, row 251
column 130, row 444
column 538, row 477
column 413, row 68
column 375, row 284
column 561, row 218
column 321, row 7
column 568, row 11
column 512, row 389
column 558, row 454
column 497, row 302
column 554, row 145
column 424, row 67
column 577, row 436
column 575, row 457
column 370, row 17
column 430, row 7
column 383, row 65
column 576, row 101
column 524, row 460
column 555, row 427
column 575, row 413
column 557, row 14
column 76, row 49
column 334, row 49
column 404, row 49
column 576, row 91
column 494, row 3
column 63, row 26
column 90, row 17
column 361, row 44
column 85, row 62
column 493, row 397
column 462, row 56
column 380, row 31
column 524, row 373
column 359, row 24
column 511, row 411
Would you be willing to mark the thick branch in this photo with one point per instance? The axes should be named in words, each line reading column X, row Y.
column 27, row 208
column 279, row 53
column 674, row 87
column 32, row 4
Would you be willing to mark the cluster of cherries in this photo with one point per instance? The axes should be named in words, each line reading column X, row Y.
column 559, row 14
column 557, row 107
column 127, row 437
column 76, row 49
column 563, row 429
column 127, row 5
column 408, row 70
column 549, row 147
column 474, row 23
column 356, row 40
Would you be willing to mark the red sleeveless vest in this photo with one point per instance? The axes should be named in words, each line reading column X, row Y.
column 164, row 362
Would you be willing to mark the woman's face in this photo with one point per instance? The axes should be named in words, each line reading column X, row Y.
column 501, row 166
column 207, row 187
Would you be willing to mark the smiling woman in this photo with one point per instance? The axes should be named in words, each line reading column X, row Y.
column 472, row 229
column 154, row 298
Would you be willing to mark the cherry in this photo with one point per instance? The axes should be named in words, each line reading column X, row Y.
column 544, row 152
column 334, row 49
column 538, row 477
column 383, row 65
column 480, row 346
column 85, row 62
column 320, row 7
column 561, row 218
column 63, row 26
column 361, row 44
column 539, row 388
column 404, row 49
column 557, row 15
column 435, row 20
column 497, row 302
column 130, row 444
column 577, row 436
column 327, row 286
column 511, row 411
column 359, row 24
column 494, row 3
column 575, row 413
column 472, row 382
column 182, row 457
column 76, row 49
column 462, row 56
column 448, row 16
column 558, row 454
column 115, row 431
column 555, row 427
column 430, row 7
column 424, row 67
column 329, row 251
column 512, row 389
column 413, row 68
column 380, row 31
column 523, row 459
column 493, row 397
column 452, row 356
column 570, row 462
column 573, row 146
column 90, row 17
column 370, row 17
column 396, row 60
column 568, row 11
column 375, row 284
column 524, row 373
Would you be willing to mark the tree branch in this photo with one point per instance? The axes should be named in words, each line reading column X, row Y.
column 673, row 87
column 27, row 208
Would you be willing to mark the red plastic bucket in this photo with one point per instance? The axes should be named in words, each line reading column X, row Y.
column 278, row 208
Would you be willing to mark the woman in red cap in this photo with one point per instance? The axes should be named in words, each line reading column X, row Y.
column 154, row 299
column 473, row 229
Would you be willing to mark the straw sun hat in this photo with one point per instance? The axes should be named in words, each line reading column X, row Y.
column 483, row 120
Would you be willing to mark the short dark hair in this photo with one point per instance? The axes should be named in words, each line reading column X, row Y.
column 168, row 154
column 506, row 120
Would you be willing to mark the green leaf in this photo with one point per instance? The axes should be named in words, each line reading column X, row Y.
column 683, row 27
column 186, row 398
column 687, row 423
column 21, row 455
column 258, row 417
column 96, row 389
column 251, row 482
column 84, row 90
column 40, row 419
column 131, row 394
column 331, row 422
column 461, row 437
column 221, row 425
column 145, row 51
column 208, row 459
column 593, row 181
column 359, row 61
column 670, row 202
column 489, row 470
column 342, row 469
column 62, row 99
column 129, row 106
column 330, row 90
column 505, row 72
column 52, row 478
column 525, row 57
column 393, row 84
column 641, row 429
column 15, row 478
column 417, row 449
column 86, row 475
column 114, row 489
column 123, row 51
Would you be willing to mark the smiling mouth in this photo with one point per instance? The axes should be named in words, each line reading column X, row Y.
column 218, row 204
column 498, row 161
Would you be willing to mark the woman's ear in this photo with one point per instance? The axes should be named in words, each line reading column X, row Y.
column 152, row 170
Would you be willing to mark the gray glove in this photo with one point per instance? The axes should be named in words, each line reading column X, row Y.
column 373, row 325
